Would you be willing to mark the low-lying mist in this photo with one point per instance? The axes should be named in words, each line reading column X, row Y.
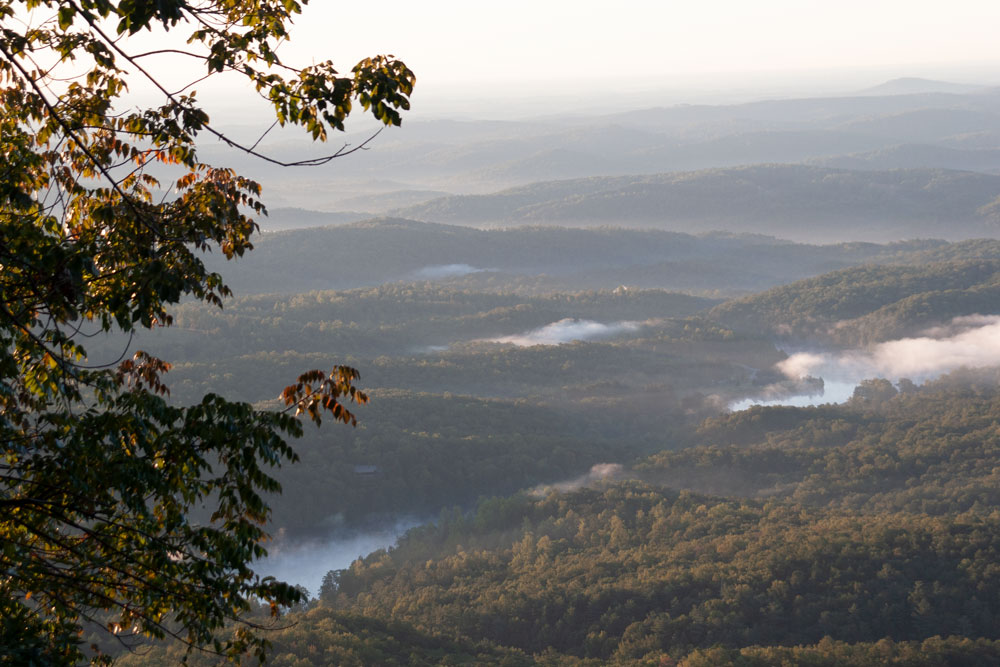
column 306, row 563
column 600, row 472
column 568, row 330
column 971, row 341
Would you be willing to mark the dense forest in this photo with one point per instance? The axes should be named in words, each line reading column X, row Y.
column 489, row 391
column 455, row 410
column 839, row 534
column 860, row 533
column 849, row 534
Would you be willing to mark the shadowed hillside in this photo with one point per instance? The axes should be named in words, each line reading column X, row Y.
column 798, row 202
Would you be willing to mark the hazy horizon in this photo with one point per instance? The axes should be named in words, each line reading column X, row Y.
column 556, row 58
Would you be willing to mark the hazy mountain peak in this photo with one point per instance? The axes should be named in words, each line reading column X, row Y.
column 911, row 85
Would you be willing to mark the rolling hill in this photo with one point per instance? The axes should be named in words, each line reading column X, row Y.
column 804, row 203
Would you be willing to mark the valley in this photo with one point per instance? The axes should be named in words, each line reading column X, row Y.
column 723, row 392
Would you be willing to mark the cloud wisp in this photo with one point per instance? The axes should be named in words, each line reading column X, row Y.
column 600, row 472
column 442, row 271
column 567, row 330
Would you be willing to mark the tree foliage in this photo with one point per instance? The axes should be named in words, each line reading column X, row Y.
column 116, row 506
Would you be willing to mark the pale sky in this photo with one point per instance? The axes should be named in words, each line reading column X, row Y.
column 540, row 40
column 530, row 47
column 520, row 55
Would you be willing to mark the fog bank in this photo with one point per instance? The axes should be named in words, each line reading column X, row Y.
column 966, row 342
column 972, row 341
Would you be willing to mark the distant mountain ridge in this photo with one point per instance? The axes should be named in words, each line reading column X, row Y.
column 805, row 203
column 910, row 85
column 285, row 218
column 909, row 156
column 407, row 165
column 538, row 259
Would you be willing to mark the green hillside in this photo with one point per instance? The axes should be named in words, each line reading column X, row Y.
column 871, row 303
